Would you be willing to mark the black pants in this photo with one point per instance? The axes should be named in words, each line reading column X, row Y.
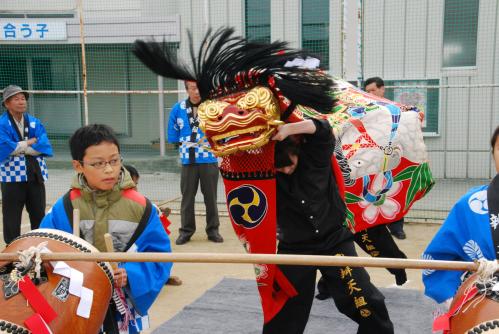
column 352, row 291
column 15, row 195
column 396, row 226
column 191, row 177
column 378, row 242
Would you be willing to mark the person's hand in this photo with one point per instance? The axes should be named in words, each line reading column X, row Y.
column 281, row 133
column 120, row 277
column 31, row 141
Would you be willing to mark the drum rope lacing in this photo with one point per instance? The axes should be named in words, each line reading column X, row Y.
column 485, row 281
column 31, row 256
column 75, row 244
column 486, row 269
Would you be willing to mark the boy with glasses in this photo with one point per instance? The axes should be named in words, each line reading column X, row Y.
column 108, row 201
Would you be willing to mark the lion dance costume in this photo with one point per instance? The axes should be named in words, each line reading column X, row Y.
column 248, row 90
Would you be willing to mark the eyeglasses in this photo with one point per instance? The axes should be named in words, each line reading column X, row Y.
column 102, row 164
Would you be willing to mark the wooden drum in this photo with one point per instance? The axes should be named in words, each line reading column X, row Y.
column 97, row 276
column 479, row 313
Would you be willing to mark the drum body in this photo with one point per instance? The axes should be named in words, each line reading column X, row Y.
column 480, row 313
column 97, row 276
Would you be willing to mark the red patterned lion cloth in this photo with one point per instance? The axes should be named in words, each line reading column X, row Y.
column 248, row 90
column 381, row 153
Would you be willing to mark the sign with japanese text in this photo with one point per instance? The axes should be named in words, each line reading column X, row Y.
column 32, row 30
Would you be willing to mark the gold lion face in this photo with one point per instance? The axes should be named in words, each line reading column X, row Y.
column 239, row 122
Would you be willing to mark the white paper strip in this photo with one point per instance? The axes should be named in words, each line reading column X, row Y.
column 85, row 305
column 76, row 282
column 76, row 287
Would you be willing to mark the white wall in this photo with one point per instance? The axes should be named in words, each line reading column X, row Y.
column 403, row 41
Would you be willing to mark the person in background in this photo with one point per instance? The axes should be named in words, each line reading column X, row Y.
column 163, row 217
column 24, row 145
column 375, row 86
column 199, row 167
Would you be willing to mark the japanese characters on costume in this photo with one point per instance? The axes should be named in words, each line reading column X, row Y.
column 465, row 235
column 183, row 129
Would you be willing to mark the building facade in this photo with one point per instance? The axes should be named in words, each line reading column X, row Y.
column 442, row 55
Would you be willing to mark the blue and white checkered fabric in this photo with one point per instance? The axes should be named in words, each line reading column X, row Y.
column 201, row 154
column 137, row 324
column 14, row 169
column 43, row 167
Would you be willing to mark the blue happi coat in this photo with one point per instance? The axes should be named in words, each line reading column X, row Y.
column 13, row 168
column 179, row 131
column 145, row 279
column 464, row 236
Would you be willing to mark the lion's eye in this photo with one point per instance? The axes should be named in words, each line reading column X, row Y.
column 211, row 110
column 357, row 163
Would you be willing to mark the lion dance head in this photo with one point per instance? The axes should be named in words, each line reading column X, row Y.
column 247, row 88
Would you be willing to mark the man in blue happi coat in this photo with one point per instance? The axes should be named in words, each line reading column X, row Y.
column 23, row 147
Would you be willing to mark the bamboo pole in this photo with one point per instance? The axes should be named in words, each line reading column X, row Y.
column 318, row 260
column 108, row 239
column 161, row 111
column 76, row 222
column 83, row 63
column 160, row 204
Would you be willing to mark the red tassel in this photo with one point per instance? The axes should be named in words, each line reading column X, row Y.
column 165, row 222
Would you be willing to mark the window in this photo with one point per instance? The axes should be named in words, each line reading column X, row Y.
column 42, row 73
column 257, row 20
column 11, row 16
column 425, row 99
column 51, row 16
column 460, row 33
column 315, row 29
column 13, row 71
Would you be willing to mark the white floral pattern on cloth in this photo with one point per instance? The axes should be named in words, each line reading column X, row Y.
column 261, row 271
column 472, row 249
column 427, row 272
column 387, row 206
column 494, row 221
column 244, row 241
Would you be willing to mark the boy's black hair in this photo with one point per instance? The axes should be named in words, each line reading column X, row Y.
column 494, row 138
column 134, row 173
column 379, row 82
column 90, row 135
column 282, row 151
